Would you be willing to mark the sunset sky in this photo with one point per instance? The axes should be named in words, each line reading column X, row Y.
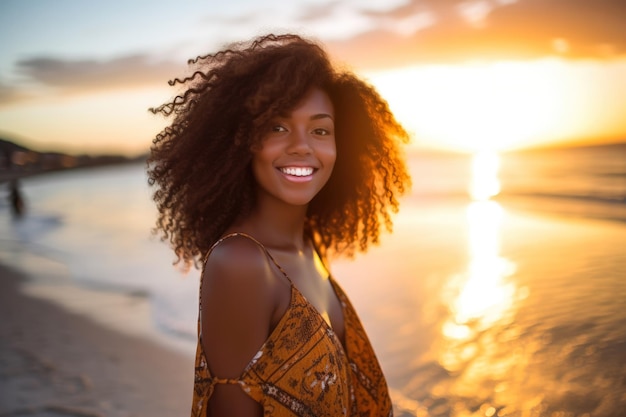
column 78, row 76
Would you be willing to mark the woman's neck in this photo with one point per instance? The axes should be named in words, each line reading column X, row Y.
column 276, row 225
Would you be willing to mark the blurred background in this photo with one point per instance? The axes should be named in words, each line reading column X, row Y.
column 501, row 291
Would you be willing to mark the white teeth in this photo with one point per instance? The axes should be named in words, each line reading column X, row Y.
column 297, row 171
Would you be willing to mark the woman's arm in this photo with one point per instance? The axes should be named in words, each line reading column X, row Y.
column 237, row 304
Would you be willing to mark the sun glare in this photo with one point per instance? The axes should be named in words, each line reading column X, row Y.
column 484, row 183
column 501, row 105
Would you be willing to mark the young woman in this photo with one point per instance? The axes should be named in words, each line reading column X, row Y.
column 275, row 161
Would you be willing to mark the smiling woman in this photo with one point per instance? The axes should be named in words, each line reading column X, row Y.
column 274, row 162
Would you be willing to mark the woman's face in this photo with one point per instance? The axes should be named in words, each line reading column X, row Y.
column 298, row 152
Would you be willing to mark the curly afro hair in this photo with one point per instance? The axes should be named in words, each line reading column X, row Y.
column 201, row 163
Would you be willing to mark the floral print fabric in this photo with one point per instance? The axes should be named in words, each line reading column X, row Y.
column 303, row 369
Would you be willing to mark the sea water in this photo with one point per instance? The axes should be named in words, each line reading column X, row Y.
column 506, row 306
column 93, row 228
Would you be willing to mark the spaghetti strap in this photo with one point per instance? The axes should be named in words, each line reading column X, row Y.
column 267, row 253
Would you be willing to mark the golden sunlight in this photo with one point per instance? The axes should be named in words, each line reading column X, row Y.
column 110, row 122
column 485, row 183
column 505, row 105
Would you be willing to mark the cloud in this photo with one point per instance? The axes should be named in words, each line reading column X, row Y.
column 344, row 20
column 42, row 77
column 453, row 31
column 76, row 75
column 365, row 34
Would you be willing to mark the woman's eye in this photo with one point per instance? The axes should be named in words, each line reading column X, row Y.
column 321, row 132
column 278, row 128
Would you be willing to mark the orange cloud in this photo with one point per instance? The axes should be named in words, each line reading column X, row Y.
column 470, row 30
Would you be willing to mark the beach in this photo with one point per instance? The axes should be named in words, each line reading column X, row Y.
column 511, row 306
column 57, row 363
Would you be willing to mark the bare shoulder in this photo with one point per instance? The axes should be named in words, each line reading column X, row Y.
column 237, row 257
column 237, row 270
column 238, row 300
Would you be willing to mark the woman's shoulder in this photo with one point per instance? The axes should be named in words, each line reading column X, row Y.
column 237, row 259
column 235, row 245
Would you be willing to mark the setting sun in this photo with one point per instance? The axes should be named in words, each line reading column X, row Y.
column 505, row 105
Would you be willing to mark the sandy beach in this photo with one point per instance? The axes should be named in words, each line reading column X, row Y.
column 56, row 363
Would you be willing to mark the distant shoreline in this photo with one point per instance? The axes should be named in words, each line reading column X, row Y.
column 16, row 174
column 17, row 161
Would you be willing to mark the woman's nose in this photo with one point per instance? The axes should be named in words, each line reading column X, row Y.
column 299, row 142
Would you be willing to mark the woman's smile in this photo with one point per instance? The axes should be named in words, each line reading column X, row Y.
column 297, row 173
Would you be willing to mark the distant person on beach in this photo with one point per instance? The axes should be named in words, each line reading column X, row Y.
column 274, row 162
column 16, row 199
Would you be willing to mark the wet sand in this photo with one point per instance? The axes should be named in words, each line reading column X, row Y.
column 57, row 363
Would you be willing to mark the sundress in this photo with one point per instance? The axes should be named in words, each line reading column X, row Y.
column 302, row 369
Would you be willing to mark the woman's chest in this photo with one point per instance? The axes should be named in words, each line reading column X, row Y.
column 315, row 285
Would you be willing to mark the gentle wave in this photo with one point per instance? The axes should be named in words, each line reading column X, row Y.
column 569, row 197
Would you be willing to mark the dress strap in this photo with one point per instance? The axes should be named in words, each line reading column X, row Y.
column 267, row 253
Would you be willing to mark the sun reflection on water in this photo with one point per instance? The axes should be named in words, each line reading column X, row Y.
column 482, row 296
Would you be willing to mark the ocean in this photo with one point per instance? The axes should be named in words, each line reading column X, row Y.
column 501, row 291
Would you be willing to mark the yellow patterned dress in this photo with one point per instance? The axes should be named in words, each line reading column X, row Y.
column 302, row 369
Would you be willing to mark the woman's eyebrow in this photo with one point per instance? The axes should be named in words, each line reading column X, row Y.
column 321, row 116
column 313, row 117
